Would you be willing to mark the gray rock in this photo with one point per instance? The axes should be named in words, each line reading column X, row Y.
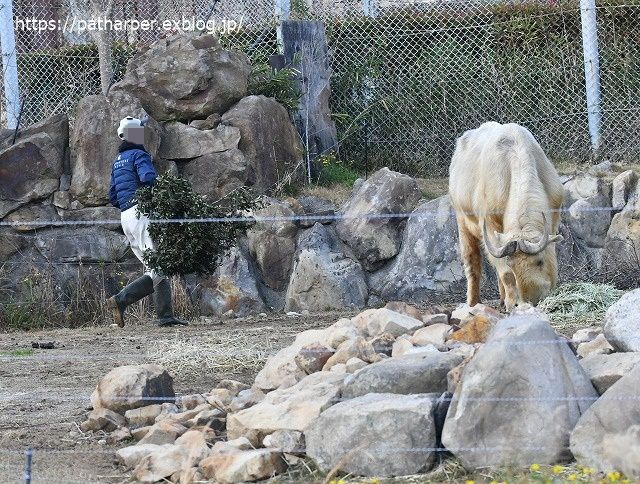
column 272, row 243
column 622, row 324
column 132, row 386
column 607, row 421
column 589, row 219
column 377, row 239
column 44, row 145
column 378, row 435
column 216, row 174
column 623, row 184
column 10, row 243
column 318, row 207
column 203, row 78
column 232, row 287
column 183, row 142
column 33, row 217
column 211, row 122
column 82, row 245
column 293, row 408
column 585, row 185
column 289, row 441
column 519, row 398
column 605, row 370
column 429, row 260
column 325, row 280
column 598, row 346
column 621, row 248
column 269, row 141
column 105, row 217
column 408, row 374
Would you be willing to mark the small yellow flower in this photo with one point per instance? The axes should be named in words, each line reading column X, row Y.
column 469, row 482
column 613, row 476
column 557, row 469
column 534, row 467
column 572, row 477
column 587, row 471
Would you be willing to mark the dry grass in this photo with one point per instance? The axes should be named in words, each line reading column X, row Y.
column 221, row 352
column 336, row 194
column 433, row 187
column 576, row 305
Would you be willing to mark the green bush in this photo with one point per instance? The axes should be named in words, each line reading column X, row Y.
column 280, row 85
column 334, row 171
column 191, row 247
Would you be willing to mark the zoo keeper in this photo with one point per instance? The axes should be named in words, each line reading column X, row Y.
column 132, row 169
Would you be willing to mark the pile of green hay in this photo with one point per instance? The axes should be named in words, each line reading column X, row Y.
column 580, row 302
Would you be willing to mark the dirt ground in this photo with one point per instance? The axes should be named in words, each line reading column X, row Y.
column 44, row 393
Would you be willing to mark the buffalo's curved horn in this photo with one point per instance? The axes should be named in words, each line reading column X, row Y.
column 497, row 252
column 533, row 248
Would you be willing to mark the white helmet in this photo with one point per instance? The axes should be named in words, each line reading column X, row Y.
column 128, row 122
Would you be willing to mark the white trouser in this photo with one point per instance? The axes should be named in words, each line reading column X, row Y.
column 137, row 231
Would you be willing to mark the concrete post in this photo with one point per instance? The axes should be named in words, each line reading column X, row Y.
column 283, row 12
column 9, row 63
column 591, row 69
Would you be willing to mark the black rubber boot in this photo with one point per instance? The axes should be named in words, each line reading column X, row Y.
column 138, row 289
column 164, row 309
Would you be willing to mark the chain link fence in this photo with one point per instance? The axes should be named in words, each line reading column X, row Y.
column 408, row 76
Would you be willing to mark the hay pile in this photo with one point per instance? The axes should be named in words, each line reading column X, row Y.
column 579, row 303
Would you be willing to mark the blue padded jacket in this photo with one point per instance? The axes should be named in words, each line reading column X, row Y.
column 131, row 169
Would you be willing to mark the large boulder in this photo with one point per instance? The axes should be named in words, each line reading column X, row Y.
column 613, row 418
column 378, row 435
column 215, row 175
column 269, row 141
column 233, row 287
column 81, row 245
column 94, row 143
column 429, row 259
column 133, row 386
column 373, row 217
column 185, row 77
column 408, row 374
column 622, row 322
column 622, row 246
column 292, row 408
column 324, row 277
column 31, row 168
column 272, row 243
column 520, row 397
column 184, row 142
column 589, row 219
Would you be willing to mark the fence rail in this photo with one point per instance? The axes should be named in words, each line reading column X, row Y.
column 408, row 77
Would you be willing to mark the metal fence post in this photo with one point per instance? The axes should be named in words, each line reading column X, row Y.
column 591, row 69
column 27, row 469
column 9, row 63
column 283, row 12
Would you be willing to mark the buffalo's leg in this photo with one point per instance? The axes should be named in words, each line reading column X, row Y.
column 510, row 288
column 472, row 261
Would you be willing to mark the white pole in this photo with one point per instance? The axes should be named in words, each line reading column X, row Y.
column 369, row 8
column 9, row 63
column 591, row 69
column 283, row 12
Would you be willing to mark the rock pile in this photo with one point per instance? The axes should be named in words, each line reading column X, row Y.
column 517, row 395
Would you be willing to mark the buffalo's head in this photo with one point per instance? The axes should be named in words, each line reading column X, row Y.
column 532, row 261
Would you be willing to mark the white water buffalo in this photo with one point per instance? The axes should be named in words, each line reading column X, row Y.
column 506, row 194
